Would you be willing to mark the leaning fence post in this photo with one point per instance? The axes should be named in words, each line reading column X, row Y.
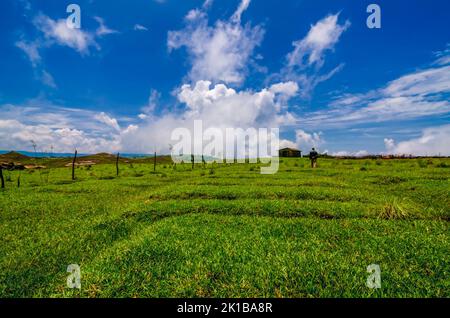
column 73, row 165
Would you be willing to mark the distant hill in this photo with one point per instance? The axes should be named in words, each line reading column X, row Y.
column 38, row 154
column 62, row 160
column 100, row 157
column 13, row 156
column 104, row 157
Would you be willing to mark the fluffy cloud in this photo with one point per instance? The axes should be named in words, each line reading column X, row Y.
column 58, row 32
column 322, row 37
column 285, row 143
column 288, row 88
column 304, row 140
column 343, row 153
column 389, row 143
column 219, row 53
column 303, row 64
column 221, row 106
column 17, row 135
column 218, row 107
column 434, row 141
column 61, row 128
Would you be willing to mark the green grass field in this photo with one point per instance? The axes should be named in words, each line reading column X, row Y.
column 228, row 231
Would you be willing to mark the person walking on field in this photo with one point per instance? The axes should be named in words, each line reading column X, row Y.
column 313, row 155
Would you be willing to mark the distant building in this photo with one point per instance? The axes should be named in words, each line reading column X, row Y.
column 289, row 152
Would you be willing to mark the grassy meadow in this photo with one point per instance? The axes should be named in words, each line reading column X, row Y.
column 228, row 231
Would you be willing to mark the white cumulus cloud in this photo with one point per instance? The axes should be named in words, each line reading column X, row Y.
column 219, row 107
column 219, row 53
column 433, row 141
column 304, row 141
column 344, row 153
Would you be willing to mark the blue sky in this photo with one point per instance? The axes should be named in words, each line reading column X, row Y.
column 136, row 70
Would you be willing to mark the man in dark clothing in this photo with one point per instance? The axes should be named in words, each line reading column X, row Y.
column 313, row 155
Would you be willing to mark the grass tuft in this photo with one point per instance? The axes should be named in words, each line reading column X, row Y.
column 394, row 210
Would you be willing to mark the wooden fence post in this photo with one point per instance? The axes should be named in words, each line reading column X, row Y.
column 117, row 164
column 154, row 162
column 73, row 165
column 192, row 161
column 1, row 177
